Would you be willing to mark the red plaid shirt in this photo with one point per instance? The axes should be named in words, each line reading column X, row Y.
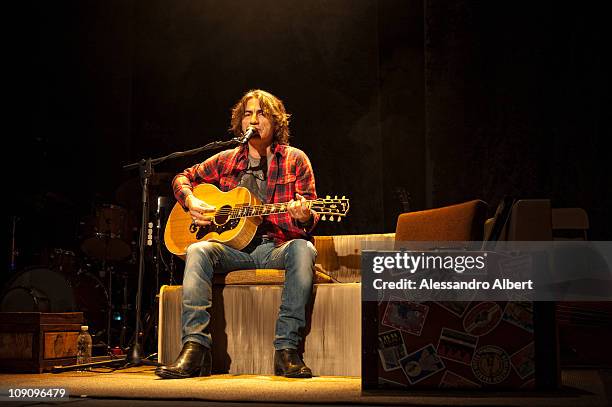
column 289, row 172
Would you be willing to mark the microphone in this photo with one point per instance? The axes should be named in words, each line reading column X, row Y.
column 249, row 133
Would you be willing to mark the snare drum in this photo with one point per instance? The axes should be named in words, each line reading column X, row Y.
column 63, row 260
column 106, row 234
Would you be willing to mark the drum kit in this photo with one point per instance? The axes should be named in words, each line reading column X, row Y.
column 94, row 278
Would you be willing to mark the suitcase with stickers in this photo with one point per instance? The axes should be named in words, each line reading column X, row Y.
column 461, row 345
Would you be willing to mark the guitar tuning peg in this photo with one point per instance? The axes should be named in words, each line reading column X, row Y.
column 343, row 197
column 323, row 217
column 339, row 218
column 335, row 196
column 331, row 218
column 327, row 197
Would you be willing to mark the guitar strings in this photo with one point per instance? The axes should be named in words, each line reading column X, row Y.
column 262, row 209
column 314, row 204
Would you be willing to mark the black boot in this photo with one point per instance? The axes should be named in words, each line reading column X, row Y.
column 288, row 363
column 194, row 360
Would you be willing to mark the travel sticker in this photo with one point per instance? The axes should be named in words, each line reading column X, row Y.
column 391, row 349
column 491, row 364
column 523, row 361
column 405, row 315
column 481, row 319
column 421, row 364
column 520, row 314
column 457, row 346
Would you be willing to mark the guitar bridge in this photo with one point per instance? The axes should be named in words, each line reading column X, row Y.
column 202, row 231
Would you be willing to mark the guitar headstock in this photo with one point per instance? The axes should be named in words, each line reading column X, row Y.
column 335, row 208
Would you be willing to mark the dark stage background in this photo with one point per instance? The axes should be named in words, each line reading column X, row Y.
column 450, row 100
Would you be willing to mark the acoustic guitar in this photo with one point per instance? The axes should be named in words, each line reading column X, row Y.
column 236, row 217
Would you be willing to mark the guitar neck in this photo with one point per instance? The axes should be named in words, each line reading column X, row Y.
column 257, row 210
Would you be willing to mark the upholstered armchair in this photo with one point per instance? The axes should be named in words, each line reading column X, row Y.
column 461, row 222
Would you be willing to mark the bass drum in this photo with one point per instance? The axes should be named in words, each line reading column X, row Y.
column 39, row 289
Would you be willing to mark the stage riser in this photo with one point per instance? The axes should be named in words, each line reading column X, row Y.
column 242, row 326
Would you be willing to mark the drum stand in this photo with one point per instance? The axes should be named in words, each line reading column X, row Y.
column 106, row 272
column 134, row 357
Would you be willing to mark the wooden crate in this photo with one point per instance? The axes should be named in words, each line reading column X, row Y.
column 36, row 341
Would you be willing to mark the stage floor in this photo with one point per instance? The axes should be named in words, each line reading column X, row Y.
column 140, row 386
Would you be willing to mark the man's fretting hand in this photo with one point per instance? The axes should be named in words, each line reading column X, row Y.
column 298, row 209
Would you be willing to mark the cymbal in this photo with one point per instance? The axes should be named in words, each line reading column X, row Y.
column 129, row 193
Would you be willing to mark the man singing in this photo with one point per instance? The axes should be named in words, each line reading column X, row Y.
column 274, row 172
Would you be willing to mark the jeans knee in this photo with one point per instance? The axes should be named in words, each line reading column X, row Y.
column 200, row 262
column 302, row 249
column 202, row 250
column 299, row 263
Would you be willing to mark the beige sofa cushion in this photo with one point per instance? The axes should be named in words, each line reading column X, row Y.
column 264, row 277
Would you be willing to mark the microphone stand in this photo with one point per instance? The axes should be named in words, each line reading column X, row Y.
column 145, row 167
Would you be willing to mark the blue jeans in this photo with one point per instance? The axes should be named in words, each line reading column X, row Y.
column 296, row 256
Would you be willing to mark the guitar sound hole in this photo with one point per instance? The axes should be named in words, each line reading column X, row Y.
column 223, row 215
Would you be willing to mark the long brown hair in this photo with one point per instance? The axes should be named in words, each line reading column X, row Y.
column 273, row 109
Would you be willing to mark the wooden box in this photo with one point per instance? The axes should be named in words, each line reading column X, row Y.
column 36, row 341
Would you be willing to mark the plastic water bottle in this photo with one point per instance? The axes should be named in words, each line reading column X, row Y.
column 83, row 347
